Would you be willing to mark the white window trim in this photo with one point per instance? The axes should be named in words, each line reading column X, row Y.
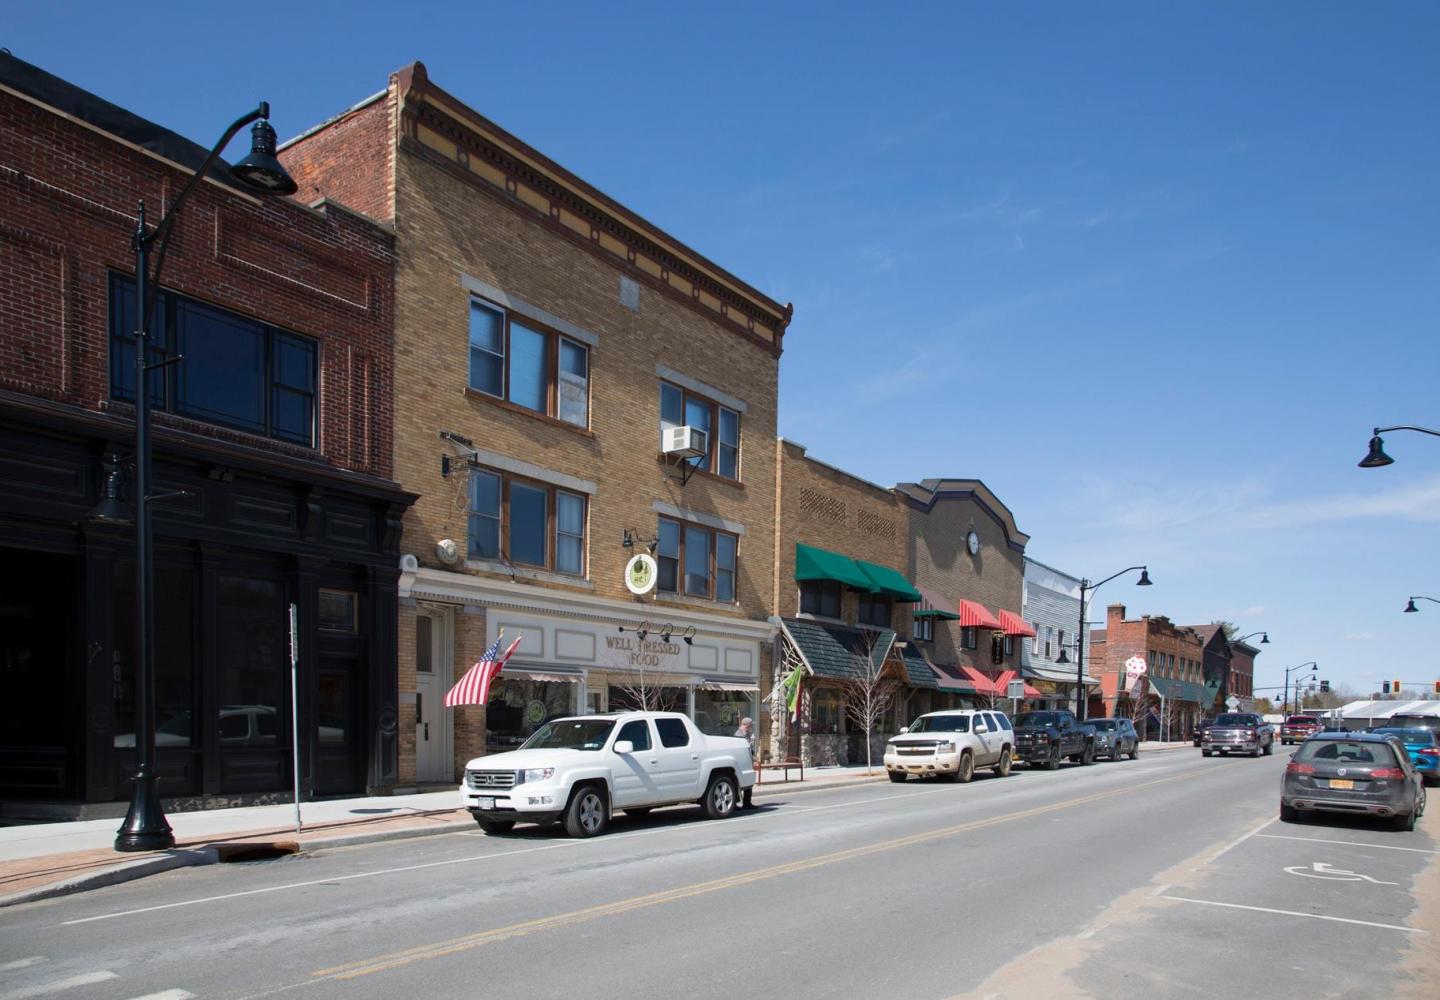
column 517, row 305
column 695, row 385
column 504, row 463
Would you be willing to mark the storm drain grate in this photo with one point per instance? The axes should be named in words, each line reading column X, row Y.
column 278, row 850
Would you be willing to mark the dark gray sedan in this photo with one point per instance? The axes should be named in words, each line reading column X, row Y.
column 1114, row 737
column 1352, row 773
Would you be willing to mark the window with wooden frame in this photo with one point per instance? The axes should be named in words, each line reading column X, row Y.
column 516, row 359
column 696, row 560
column 825, row 710
column 680, row 407
column 526, row 523
column 873, row 609
column 820, row 597
column 967, row 637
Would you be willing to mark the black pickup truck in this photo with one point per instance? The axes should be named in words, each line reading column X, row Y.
column 1043, row 738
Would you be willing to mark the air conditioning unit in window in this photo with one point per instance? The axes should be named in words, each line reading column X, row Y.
column 684, row 442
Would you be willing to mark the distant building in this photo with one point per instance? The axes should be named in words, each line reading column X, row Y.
column 1176, row 691
column 1052, row 609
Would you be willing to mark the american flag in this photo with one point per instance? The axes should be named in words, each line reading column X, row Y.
column 474, row 687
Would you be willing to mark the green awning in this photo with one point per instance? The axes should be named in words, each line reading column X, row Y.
column 934, row 606
column 1182, row 690
column 889, row 582
column 821, row 564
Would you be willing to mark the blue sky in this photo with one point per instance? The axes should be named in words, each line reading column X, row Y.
column 1151, row 271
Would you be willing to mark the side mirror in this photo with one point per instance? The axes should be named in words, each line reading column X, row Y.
column 904, row 729
column 624, row 746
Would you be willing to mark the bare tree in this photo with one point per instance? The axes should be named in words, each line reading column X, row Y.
column 641, row 694
column 868, row 692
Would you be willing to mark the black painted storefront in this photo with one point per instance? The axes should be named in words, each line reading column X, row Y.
column 257, row 532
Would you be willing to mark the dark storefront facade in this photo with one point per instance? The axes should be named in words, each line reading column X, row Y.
column 272, row 451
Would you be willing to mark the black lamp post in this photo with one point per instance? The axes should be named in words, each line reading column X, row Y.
column 1410, row 607
column 1225, row 681
column 1285, row 699
column 1085, row 585
column 145, row 827
column 1376, row 457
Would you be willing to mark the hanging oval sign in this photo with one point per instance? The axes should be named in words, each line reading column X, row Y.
column 641, row 574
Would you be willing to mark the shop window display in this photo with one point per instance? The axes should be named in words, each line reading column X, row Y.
column 518, row 706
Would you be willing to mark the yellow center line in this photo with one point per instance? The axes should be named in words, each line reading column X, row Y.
column 439, row 949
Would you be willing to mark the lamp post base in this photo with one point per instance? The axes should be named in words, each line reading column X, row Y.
column 145, row 827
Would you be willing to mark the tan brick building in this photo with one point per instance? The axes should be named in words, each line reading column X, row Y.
column 917, row 575
column 546, row 336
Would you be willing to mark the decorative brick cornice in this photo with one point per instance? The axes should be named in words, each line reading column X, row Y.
column 443, row 130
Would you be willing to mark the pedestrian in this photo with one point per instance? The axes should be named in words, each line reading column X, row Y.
column 747, row 733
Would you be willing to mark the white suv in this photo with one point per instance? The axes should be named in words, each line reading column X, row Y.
column 952, row 744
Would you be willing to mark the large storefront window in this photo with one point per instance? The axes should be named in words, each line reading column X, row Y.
column 520, row 705
column 253, row 663
column 718, row 713
column 635, row 696
column 174, row 655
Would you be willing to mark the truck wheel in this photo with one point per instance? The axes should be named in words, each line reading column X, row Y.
column 1204, row 753
column 898, row 777
column 967, row 767
column 720, row 797
column 1002, row 769
column 585, row 815
column 1088, row 755
column 1135, row 750
column 1269, row 748
column 1052, row 763
column 495, row 825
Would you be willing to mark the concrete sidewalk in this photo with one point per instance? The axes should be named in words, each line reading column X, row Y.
column 52, row 859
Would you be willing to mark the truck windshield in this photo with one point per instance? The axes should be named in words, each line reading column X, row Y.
column 941, row 724
column 1234, row 720
column 570, row 734
column 1033, row 720
column 1104, row 725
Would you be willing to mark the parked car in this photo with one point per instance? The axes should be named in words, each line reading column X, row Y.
column 1415, row 721
column 1238, row 732
column 1299, row 728
column 581, row 769
column 1362, row 773
column 1116, row 737
column 1199, row 733
column 1423, row 747
column 951, row 745
column 1045, row 737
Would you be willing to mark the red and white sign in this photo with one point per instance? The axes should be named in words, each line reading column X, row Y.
column 1135, row 671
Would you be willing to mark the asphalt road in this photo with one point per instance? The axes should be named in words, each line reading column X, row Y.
column 1165, row 876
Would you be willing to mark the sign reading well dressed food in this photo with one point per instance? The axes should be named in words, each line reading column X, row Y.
column 569, row 643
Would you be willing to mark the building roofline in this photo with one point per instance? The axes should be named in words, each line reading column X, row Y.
column 1052, row 569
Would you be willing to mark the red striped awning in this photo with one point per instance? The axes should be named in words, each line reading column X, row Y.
column 1013, row 624
column 974, row 615
column 1002, row 683
column 984, row 685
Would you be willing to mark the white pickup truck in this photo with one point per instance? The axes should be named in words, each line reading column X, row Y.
column 581, row 769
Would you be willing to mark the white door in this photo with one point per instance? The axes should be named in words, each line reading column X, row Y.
column 679, row 775
column 433, row 677
column 635, row 774
column 987, row 738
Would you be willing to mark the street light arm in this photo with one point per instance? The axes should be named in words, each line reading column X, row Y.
column 1096, row 586
column 1422, row 597
column 1406, row 427
column 160, row 234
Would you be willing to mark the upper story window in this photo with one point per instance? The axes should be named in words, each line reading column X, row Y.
column 522, row 362
column 528, row 523
column 924, row 629
column 233, row 370
column 696, row 560
column 873, row 610
column 968, row 638
column 820, row 597
column 680, row 407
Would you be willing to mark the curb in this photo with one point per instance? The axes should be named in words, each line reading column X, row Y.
column 799, row 787
column 126, row 872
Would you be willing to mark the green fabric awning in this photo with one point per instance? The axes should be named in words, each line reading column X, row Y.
column 812, row 563
column 934, row 606
column 1182, row 690
column 888, row 582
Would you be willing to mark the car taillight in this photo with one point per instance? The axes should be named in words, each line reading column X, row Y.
column 1429, row 751
column 1294, row 768
column 1381, row 773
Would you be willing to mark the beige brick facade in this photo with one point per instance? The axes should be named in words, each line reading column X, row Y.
column 480, row 215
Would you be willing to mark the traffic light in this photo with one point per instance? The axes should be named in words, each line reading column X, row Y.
column 1325, row 687
column 1384, row 687
column 1437, row 687
column 1395, row 686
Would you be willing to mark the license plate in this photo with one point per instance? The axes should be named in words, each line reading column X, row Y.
column 1341, row 783
column 485, row 802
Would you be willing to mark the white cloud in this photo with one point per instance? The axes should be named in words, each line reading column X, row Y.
column 1361, row 637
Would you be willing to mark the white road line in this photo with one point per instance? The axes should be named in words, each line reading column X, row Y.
column 167, row 995
column 1296, row 913
column 21, row 963
column 1347, row 843
column 59, row 985
column 1238, row 841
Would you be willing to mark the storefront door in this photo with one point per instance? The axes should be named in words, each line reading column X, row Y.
column 432, row 679
column 337, row 758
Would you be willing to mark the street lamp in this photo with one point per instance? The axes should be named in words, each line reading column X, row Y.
column 1410, row 607
column 1376, row 457
column 145, row 827
column 1085, row 585
column 1285, row 699
column 1264, row 640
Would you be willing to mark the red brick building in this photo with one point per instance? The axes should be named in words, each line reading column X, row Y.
column 1174, row 691
column 272, row 438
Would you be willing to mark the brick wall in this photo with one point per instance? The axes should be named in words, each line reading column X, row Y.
column 347, row 159
column 67, row 211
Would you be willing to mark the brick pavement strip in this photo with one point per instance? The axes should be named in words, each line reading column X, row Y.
column 29, row 879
